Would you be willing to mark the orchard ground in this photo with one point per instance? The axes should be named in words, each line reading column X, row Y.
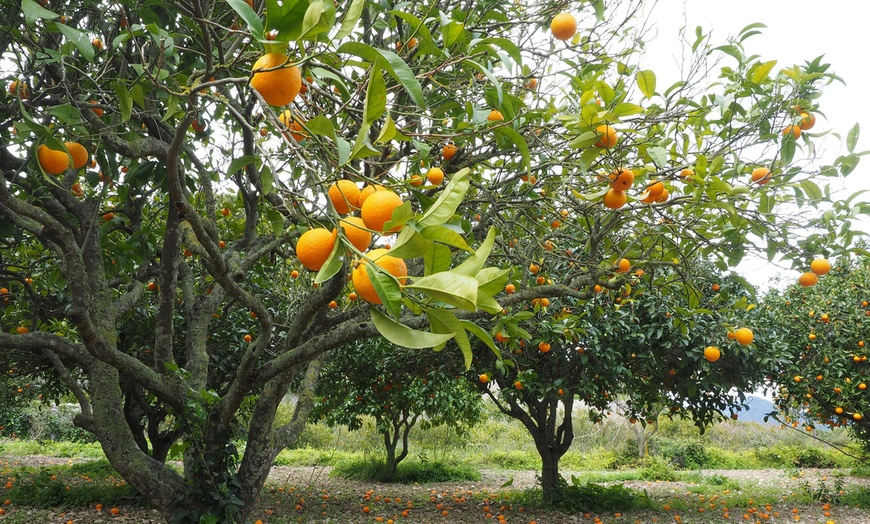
column 310, row 494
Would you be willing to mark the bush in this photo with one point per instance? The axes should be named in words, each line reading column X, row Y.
column 684, row 454
column 577, row 498
column 658, row 470
column 80, row 485
column 407, row 472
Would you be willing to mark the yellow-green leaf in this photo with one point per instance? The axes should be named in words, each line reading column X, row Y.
column 404, row 336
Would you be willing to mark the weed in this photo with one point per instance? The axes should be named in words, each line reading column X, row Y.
column 407, row 472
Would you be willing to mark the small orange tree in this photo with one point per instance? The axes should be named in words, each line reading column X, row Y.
column 201, row 187
column 398, row 388
column 820, row 337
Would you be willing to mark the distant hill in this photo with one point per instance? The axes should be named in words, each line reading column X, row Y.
column 758, row 408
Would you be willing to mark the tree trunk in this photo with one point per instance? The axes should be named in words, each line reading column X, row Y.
column 549, row 475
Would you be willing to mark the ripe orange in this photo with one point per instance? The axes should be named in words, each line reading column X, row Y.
column 277, row 87
column 435, row 176
column 663, row 197
column 294, row 124
column 614, row 199
column 563, row 26
column 333, row 304
column 838, row 410
column 361, row 282
column 19, row 89
column 495, row 116
column 794, row 131
column 314, row 247
column 510, row 289
column 97, row 110
column 21, row 330
column 344, row 196
column 248, row 338
column 654, row 190
column 687, row 173
column 78, row 153
column 483, row 378
column 53, row 162
column 744, row 336
column 808, row 279
column 355, row 231
column 808, row 120
column 607, row 136
column 518, row 384
column 531, row 83
column 715, row 287
column 820, row 266
column 761, row 175
column 416, row 180
column 712, row 353
column 449, row 151
column 500, row 337
column 543, row 347
column 368, row 191
column 857, row 416
column 378, row 209
column 621, row 179
column 623, row 266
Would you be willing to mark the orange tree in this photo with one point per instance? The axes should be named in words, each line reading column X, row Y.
column 640, row 350
column 820, row 335
column 218, row 133
column 397, row 388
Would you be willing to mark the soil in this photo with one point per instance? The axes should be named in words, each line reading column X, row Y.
column 309, row 494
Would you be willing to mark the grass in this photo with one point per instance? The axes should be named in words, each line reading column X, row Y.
column 51, row 449
column 79, row 485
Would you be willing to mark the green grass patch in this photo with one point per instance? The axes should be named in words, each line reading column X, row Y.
column 315, row 457
column 407, row 472
column 20, row 448
column 79, row 485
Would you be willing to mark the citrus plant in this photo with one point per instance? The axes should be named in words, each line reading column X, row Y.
column 204, row 202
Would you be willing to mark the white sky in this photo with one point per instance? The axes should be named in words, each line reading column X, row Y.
column 797, row 31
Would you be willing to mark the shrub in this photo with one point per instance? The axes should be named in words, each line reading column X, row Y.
column 577, row 497
column 407, row 472
column 79, row 485
column 658, row 470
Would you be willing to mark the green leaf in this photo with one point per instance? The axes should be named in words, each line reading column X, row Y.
column 79, row 39
column 452, row 32
column 508, row 45
column 449, row 287
column 409, row 244
column 343, row 150
column 125, row 101
column 387, row 288
column 376, row 96
column 482, row 334
column 646, row 82
column 761, row 71
column 240, row 163
column 393, row 63
column 623, row 110
column 322, row 126
column 449, row 200
column 246, row 13
column 658, row 155
column 426, row 42
column 444, row 321
column 472, row 265
column 852, row 137
column 492, row 80
column 33, row 12
column 319, row 18
column 489, row 304
column 491, row 280
column 438, row 258
column 351, row 18
column 514, row 136
column 267, row 180
column 404, row 336
column 445, row 235
column 332, row 265
column 811, row 189
column 388, row 132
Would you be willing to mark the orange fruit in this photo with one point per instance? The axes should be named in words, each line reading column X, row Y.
column 361, row 282
column 664, row 196
column 78, row 153
column 531, row 83
column 495, row 116
column 687, row 173
column 857, row 416
column 794, row 131
column 435, row 176
column 97, row 110
column 53, row 162
column 543, row 347
column 449, row 151
column 344, row 196
column 416, row 180
column 808, row 120
column 623, row 266
column 510, row 289
column 820, row 266
column 518, row 384
column 654, row 190
column 483, row 378
column 607, row 136
column 614, row 199
column 378, row 210
column 501, row 337
column 19, row 89
column 21, row 330
column 277, row 87
column 355, row 231
column 563, row 26
column 838, row 410
column 712, row 353
column 761, row 175
column 248, row 338
column 808, row 279
column 367, row 191
column 294, row 124
column 314, row 247
column 621, row 179
column 744, row 336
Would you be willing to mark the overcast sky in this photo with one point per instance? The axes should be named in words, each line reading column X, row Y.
column 797, row 31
